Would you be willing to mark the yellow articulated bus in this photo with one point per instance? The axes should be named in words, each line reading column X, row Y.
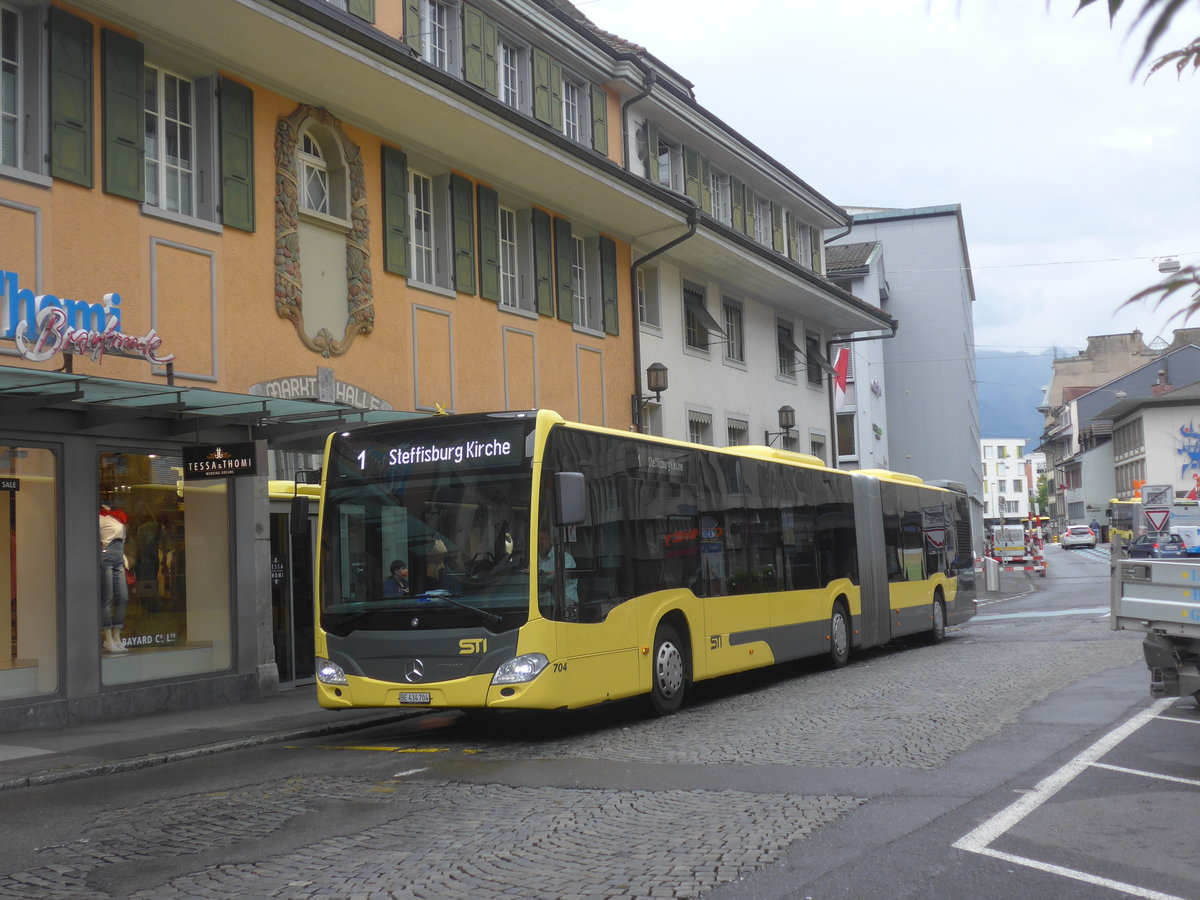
column 516, row 560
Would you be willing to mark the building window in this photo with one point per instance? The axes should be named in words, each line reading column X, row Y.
column 579, row 294
column 10, row 88
column 698, row 322
column 1017, row 485
column 847, row 443
column 647, row 296
column 816, row 446
column 762, row 221
column 718, row 187
column 1002, row 451
column 314, row 176
column 786, row 351
column 736, row 432
column 509, row 281
column 1000, row 485
column 699, row 427
column 812, row 358
column 177, row 606
column 989, row 451
column 510, row 64
column 424, row 246
column 574, row 106
column 670, row 166
column 436, row 19
column 170, row 142
column 735, row 344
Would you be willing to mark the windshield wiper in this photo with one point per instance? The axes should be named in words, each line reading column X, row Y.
column 439, row 594
column 346, row 625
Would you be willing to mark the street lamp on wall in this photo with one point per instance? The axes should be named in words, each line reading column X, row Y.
column 656, row 383
column 787, row 421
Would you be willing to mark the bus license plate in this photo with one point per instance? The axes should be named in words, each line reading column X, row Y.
column 415, row 697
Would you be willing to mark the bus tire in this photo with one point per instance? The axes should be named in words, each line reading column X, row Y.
column 937, row 634
column 839, row 636
column 668, row 676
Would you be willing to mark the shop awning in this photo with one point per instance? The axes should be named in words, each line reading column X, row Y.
column 108, row 401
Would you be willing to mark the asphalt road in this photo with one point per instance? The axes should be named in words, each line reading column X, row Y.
column 1022, row 757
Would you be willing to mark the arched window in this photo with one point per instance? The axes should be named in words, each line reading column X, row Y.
column 314, row 176
column 321, row 173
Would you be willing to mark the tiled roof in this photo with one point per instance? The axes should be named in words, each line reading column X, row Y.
column 616, row 42
column 839, row 257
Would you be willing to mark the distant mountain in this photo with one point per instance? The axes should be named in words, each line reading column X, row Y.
column 1010, row 389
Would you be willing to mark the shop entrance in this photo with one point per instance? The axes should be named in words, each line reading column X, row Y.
column 292, row 597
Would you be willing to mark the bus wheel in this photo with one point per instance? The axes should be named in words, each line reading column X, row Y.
column 938, row 633
column 669, row 677
column 839, row 636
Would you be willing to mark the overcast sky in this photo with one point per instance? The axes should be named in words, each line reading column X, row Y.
column 1073, row 176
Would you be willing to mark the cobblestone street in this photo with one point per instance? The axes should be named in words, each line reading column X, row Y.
column 438, row 835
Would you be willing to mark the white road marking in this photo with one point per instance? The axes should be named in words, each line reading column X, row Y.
column 978, row 839
column 407, row 772
column 1191, row 781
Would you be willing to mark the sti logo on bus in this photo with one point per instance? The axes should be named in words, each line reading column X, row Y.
column 467, row 646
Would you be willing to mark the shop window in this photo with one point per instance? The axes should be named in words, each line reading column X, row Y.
column 29, row 571
column 174, row 617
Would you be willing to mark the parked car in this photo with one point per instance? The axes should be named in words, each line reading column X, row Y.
column 1077, row 536
column 1190, row 535
column 1157, row 545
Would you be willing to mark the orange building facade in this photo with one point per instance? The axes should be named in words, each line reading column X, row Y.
column 231, row 226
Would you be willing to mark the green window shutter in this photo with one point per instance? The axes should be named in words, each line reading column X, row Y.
column 777, row 227
column 556, row 110
column 706, row 197
column 652, row 151
column 691, row 174
column 70, row 97
column 489, row 243
column 748, row 205
column 543, row 262
column 479, row 53
column 237, row 155
column 395, row 211
column 123, row 82
column 608, row 284
column 599, row 120
column 412, row 26
column 562, row 264
column 364, row 9
column 736, row 201
column 541, row 87
column 473, row 46
column 491, row 77
column 817, row 248
column 462, row 201
column 793, row 238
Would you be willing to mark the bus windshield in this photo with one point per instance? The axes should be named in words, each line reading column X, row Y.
column 429, row 530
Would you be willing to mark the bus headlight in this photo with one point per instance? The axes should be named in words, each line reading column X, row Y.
column 520, row 669
column 329, row 672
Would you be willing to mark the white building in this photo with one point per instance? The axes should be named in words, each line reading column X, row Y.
column 932, row 405
column 1006, row 479
column 861, row 412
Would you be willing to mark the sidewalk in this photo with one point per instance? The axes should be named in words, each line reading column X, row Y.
column 45, row 756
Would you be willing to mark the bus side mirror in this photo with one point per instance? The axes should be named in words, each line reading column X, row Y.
column 570, row 499
column 298, row 519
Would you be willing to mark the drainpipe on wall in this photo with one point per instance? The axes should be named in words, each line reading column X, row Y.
column 693, row 220
column 833, row 389
column 651, row 77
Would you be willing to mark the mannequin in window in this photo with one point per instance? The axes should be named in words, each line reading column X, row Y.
column 114, row 590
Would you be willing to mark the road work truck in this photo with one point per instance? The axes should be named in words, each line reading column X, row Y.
column 1161, row 599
